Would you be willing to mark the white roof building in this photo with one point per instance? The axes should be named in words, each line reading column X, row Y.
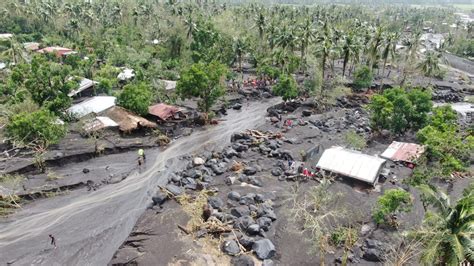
column 353, row 164
column 126, row 74
column 83, row 85
column 95, row 104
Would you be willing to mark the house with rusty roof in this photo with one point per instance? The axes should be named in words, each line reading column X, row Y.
column 164, row 112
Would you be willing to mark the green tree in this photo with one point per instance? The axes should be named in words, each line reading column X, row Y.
column 40, row 127
column 447, row 230
column 399, row 110
column 430, row 64
column 445, row 143
column 136, row 98
column 363, row 77
column 391, row 202
column 286, row 87
column 203, row 80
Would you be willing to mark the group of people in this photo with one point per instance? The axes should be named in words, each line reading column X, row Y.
column 302, row 169
column 256, row 83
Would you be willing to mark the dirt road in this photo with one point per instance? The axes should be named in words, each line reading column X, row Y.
column 90, row 227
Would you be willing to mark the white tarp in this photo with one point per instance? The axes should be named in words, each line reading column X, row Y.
column 95, row 104
column 351, row 163
column 126, row 74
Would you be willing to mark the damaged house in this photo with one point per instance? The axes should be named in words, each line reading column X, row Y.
column 126, row 120
column 352, row 164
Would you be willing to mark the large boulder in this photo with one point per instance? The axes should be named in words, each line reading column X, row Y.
column 240, row 211
column 234, row 195
column 264, row 249
column 198, row 161
column 242, row 260
column 159, row 198
column 216, row 203
column 231, row 247
column 175, row 190
column 249, row 170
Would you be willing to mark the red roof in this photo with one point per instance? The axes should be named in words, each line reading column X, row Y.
column 59, row 51
column 163, row 111
column 403, row 152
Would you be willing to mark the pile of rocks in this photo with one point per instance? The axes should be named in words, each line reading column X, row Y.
column 251, row 215
column 357, row 120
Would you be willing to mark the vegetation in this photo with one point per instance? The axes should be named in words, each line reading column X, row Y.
column 39, row 128
column 391, row 202
column 363, row 78
column 203, row 80
column 355, row 140
column 447, row 228
column 399, row 110
column 286, row 88
column 136, row 97
column 445, row 143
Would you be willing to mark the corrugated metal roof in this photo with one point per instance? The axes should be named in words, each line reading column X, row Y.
column 83, row 85
column 95, row 104
column 163, row 111
column 59, row 51
column 403, row 152
column 99, row 123
column 351, row 164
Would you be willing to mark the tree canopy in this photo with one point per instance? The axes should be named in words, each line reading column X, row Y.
column 136, row 97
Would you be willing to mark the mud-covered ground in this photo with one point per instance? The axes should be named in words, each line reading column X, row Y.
column 292, row 245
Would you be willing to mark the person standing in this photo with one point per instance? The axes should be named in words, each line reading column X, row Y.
column 53, row 240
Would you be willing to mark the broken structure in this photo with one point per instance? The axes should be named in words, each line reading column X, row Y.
column 164, row 111
column 86, row 88
column 126, row 120
column 99, row 123
column 351, row 164
column 403, row 152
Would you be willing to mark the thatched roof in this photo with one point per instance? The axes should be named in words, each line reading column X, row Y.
column 126, row 120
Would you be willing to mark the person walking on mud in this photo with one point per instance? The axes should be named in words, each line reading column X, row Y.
column 141, row 157
column 53, row 240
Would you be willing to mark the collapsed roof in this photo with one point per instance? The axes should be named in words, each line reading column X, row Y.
column 126, row 120
column 83, row 85
column 163, row 111
column 403, row 152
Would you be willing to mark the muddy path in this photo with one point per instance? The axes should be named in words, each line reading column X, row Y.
column 90, row 226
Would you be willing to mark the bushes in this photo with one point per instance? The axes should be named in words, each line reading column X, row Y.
column 286, row 87
column 136, row 97
column 399, row 110
column 392, row 201
column 445, row 143
column 40, row 127
column 363, row 78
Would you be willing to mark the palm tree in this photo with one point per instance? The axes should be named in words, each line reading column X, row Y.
column 447, row 231
column 348, row 51
column 389, row 47
column 324, row 48
column 240, row 48
column 260, row 23
column 375, row 43
column 430, row 64
column 306, row 36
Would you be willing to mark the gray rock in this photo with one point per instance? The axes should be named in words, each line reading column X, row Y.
column 159, row 198
column 247, row 199
column 244, row 222
column 254, row 181
column 242, row 260
column 246, row 242
column 268, row 263
column 365, row 229
column 264, row 249
column 234, row 195
column 249, row 170
column 373, row 254
column 176, row 178
column 307, row 112
column 231, row 247
column 229, row 153
column 193, row 173
column 237, row 106
column 216, row 203
column 217, row 169
column 264, row 223
column 240, row 211
column 240, row 147
column 253, row 229
column 175, row 190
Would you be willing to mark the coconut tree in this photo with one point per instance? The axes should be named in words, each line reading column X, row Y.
column 389, row 47
column 260, row 23
column 305, row 36
column 430, row 64
column 240, row 47
column 448, row 229
column 324, row 47
column 349, row 48
column 374, row 45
